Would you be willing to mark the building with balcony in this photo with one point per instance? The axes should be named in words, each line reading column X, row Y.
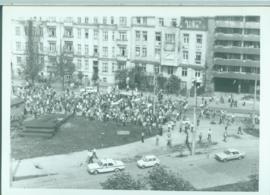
column 236, row 53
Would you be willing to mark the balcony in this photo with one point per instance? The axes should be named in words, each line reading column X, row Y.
column 121, row 41
column 68, row 53
column 236, row 62
column 251, row 37
column 233, row 49
column 229, row 24
column 254, row 25
column 222, row 36
column 121, row 58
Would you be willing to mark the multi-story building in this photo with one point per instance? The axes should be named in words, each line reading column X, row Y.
column 236, row 53
column 221, row 51
column 193, row 39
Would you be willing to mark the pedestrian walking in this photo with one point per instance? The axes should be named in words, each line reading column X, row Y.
column 239, row 131
column 225, row 135
column 157, row 140
column 209, row 135
column 200, row 137
column 142, row 137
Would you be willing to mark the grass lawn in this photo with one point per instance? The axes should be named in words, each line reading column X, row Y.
column 248, row 186
column 75, row 135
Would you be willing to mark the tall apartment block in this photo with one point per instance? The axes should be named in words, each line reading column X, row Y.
column 236, row 53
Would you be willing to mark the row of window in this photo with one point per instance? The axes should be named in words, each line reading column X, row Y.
column 105, row 20
column 104, row 66
column 198, row 56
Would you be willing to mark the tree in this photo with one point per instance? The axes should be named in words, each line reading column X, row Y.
column 173, row 84
column 64, row 67
column 33, row 65
column 160, row 178
column 80, row 76
column 122, row 181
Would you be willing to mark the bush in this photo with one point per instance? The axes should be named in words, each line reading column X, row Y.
column 161, row 179
column 122, row 181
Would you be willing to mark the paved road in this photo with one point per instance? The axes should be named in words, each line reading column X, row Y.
column 202, row 171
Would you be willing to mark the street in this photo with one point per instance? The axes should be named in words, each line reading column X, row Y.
column 202, row 171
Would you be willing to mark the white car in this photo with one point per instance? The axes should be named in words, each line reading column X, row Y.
column 105, row 165
column 148, row 161
column 230, row 154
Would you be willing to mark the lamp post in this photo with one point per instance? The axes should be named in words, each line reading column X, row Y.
column 195, row 82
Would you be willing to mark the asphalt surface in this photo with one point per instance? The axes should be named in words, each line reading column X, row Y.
column 203, row 171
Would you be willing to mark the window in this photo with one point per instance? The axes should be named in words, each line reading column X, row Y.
column 123, row 21
column 41, row 46
column 144, row 67
column 105, row 35
column 123, row 51
column 197, row 73
column 95, row 34
column 19, row 60
column 138, row 35
column 114, row 67
column 184, row 72
column 79, row 48
column 138, row 20
column 156, row 69
column 170, row 70
column 104, row 67
column 185, row 55
column 42, row 59
column 95, row 50
column 79, row 19
column 52, row 31
column 68, row 32
column 105, row 81
column 145, row 20
column 86, row 33
column 52, row 46
column 113, row 36
column 79, row 64
column 86, row 20
column 137, row 49
column 157, row 52
column 161, row 21
column 18, row 32
column 105, row 51
column 79, row 33
column 170, row 38
column 144, row 35
column 186, row 38
column 86, row 47
column 104, row 20
column 40, row 31
column 173, row 23
column 95, row 20
column 113, row 51
column 199, row 39
column 144, row 51
column 52, row 60
column 112, row 20
column 198, row 57
column 123, row 36
column 158, row 36
column 68, row 47
column 86, row 64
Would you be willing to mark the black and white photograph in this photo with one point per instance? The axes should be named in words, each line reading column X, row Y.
column 130, row 99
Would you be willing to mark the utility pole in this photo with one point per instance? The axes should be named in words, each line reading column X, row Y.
column 195, row 119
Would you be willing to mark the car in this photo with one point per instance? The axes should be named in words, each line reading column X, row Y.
column 105, row 165
column 229, row 154
column 148, row 161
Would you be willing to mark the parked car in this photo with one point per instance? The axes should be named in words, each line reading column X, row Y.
column 148, row 161
column 229, row 154
column 105, row 165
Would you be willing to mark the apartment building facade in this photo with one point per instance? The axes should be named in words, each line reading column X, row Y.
column 236, row 53
column 165, row 46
